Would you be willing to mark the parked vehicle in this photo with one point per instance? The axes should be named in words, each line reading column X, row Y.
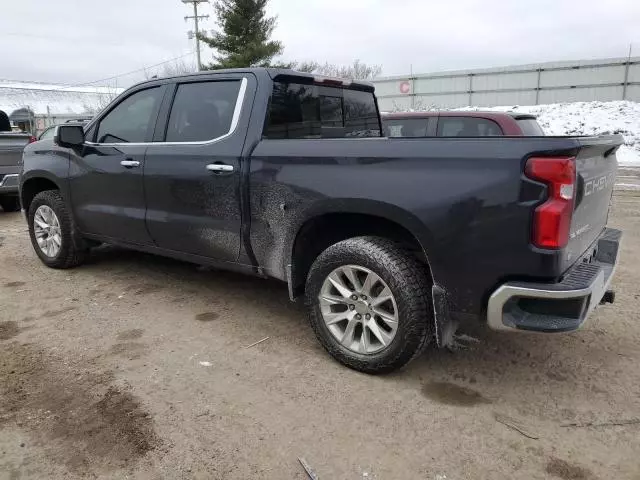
column 49, row 132
column 11, row 146
column 392, row 242
column 460, row 124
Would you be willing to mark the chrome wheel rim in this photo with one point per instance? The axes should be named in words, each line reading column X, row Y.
column 46, row 228
column 359, row 309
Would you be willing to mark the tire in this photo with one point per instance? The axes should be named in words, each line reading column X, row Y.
column 10, row 203
column 69, row 254
column 411, row 293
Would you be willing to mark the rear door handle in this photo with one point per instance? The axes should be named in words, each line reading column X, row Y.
column 130, row 163
column 220, row 168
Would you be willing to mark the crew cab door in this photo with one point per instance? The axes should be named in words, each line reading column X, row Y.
column 192, row 172
column 106, row 182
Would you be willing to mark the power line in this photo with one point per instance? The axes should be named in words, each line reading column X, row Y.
column 66, row 86
column 129, row 73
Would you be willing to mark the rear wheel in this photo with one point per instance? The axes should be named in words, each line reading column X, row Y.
column 10, row 203
column 51, row 231
column 369, row 305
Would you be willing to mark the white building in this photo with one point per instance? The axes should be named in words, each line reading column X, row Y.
column 605, row 80
column 35, row 106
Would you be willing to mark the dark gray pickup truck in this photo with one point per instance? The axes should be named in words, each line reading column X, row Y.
column 11, row 145
column 392, row 242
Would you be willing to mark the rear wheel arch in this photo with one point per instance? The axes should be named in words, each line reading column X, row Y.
column 321, row 231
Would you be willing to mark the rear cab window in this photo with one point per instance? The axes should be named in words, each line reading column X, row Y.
column 467, row 127
column 405, row 127
column 299, row 111
column 530, row 127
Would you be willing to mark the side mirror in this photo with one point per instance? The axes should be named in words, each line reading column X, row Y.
column 69, row 136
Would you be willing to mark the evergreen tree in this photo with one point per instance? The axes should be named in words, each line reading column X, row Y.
column 244, row 37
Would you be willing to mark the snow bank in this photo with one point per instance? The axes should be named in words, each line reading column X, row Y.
column 589, row 118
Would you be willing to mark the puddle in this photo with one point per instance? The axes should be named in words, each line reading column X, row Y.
column 451, row 394
column 566, row 471
column 8, row 330
column 207, row 316
column 132, row 334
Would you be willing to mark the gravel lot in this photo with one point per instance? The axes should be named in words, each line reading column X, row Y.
column 134, row 366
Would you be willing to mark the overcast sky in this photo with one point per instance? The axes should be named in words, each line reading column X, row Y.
column 76, row 41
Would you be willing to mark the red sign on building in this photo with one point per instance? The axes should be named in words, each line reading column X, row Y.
column 405, row 87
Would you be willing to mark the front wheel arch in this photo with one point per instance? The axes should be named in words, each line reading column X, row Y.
column 32, row 187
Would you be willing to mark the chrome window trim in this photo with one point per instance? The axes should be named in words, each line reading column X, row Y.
column 9, row 176
column 234, row 124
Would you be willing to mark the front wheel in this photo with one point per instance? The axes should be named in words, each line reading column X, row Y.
column 51, row 231
column 369, row 304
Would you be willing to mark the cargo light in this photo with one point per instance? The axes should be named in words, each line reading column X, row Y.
column 339, row 82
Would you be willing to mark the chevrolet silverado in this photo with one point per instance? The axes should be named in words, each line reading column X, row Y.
column 393, row 242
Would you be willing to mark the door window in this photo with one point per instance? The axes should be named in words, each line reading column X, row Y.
column 202, row 111
column 467, row 127
column 131, row 119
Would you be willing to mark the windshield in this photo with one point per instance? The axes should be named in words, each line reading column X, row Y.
column 48, row 133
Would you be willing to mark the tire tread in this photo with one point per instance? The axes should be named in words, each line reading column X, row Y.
column 408, row 281
column 71, row 254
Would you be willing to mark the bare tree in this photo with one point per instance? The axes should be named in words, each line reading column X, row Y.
column 177, row 67
column 171, row 69
column 418, row 106
column 357, row 70
column 102, row 99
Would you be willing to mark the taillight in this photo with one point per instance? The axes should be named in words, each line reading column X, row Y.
column 32, row 139
column 552, row 219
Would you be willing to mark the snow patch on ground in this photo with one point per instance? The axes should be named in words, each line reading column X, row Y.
column 589, row 118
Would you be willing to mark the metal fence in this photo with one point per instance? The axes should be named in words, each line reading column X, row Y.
column 552, row 82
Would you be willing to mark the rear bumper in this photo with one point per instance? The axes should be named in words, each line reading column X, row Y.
column 9, row 183
column 557, row 307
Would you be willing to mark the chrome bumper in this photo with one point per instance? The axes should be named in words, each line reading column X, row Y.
column 557, row 307
column 9, row 183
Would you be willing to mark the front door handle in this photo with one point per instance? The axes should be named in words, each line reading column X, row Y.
column 220, row 168
column 130, row 163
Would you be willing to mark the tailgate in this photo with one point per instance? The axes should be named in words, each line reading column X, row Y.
column 11, row 147
column 596, row 167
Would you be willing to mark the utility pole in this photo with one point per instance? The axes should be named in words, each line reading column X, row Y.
column 626, row 74
column 195, row 34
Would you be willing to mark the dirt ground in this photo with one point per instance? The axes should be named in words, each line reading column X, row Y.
column 134, row 366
